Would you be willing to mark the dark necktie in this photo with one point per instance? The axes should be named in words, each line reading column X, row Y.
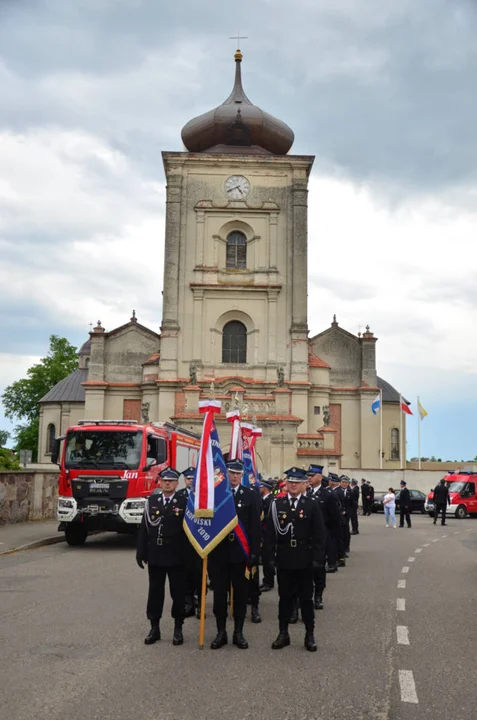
column 293, row 503
column 167, row 501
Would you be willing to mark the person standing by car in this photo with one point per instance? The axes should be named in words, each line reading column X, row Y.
column 365, row 497
column 441, row 500
column 389, row 505
column 404, row 505
column 370, row 497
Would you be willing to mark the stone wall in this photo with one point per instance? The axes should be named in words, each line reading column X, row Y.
column 381, row 480
column 27, row 495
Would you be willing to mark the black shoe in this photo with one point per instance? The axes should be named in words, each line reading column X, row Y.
column 178, row 638
column 357, row 532
column 443, row 524
column 353, row 532
column 189, row 611
column 331, row 569
column 341, row 562
column 255, row 615
column 318, row 601
column 434, row 522
column 409, row 527
column 239, row 640
column 154, row 635
column 310, row 643
column 283, row 640
column 220, row 640
column 266, row 588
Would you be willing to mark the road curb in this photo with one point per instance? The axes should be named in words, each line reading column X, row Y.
column 52, row 540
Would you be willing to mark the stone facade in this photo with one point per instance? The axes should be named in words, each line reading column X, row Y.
column 27, row 495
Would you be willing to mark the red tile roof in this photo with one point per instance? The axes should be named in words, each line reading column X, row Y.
column 315, row 361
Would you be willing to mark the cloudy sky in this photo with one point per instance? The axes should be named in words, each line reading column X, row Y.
column 382, row 92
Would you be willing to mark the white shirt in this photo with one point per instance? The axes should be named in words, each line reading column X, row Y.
column 290, row 499
column 392, row 501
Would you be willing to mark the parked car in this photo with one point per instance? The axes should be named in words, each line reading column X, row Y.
column 418, row 500
column 462, row 493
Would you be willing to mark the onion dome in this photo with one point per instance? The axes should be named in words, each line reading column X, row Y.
column 237, row 126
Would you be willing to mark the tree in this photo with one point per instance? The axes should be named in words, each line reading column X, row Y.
column 22, row 398
column 4, row 435
column 8, row 460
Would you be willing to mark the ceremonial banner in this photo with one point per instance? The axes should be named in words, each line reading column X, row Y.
column 248, row 477
column 256, row 433
column 204, row 472
column 205, row 533
column 236, row 439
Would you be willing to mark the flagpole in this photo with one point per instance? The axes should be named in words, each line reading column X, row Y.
column 400, row 432
column 202, row 603
column 381, row 430
column 418, row 433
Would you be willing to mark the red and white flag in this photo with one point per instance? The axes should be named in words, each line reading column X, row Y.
column 204, row 479
column 405, row 407
column 235, row 451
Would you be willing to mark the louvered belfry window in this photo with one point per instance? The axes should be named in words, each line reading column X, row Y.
column 236, row 251
column 234, row 343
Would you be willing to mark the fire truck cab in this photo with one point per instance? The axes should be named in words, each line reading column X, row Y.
column 108, row 468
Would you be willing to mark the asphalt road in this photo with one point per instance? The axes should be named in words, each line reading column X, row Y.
column 72, row 623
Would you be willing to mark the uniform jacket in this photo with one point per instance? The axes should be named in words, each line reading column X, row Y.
column 329, row 505
column 266, row 501
column 305, row 537
column 404, row 498
column 365, row 490
column 163, row 544
column 247, row 508
column 441, row 494
column 371, row 493
column 355, row 496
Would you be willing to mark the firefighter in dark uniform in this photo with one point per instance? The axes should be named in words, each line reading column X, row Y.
column 266, row 487
column 404, row 505
column 339, row 537
column 161, row 545
column 354, row 507
column 347, row 502
column 193, row 561
column 296, row 533
column 228, row 564
column 320, row 491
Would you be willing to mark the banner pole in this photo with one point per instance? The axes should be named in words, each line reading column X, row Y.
column 381, row 410
column 203, row 591
column 418, row 433
column 401, row 441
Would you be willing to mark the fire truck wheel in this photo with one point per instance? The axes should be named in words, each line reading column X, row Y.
column 75, row 535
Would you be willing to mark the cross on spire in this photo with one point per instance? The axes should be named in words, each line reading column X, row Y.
column 238, row 38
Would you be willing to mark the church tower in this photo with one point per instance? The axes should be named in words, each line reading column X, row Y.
column 235, row 273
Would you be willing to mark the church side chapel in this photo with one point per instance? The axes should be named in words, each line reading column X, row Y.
column 235, row 314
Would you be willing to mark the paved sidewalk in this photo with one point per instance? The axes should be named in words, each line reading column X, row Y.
column 22, row 536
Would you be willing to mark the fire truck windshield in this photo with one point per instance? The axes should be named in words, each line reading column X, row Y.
column 104, row 449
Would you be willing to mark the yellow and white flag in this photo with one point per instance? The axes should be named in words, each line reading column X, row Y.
column 421, row 411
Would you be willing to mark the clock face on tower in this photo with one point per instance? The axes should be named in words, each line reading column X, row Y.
column 237, row 187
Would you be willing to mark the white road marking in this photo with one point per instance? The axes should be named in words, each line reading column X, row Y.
column 411, row 559
column 444, row 536
column 408, row 687
column 401, row 583
column 401, row 604
column 426, row 544
column 436, row 540
column 405, row 569
column 457, row 532
column 418, row 550
column 402, row 633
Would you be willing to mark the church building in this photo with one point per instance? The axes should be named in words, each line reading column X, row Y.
column 235, row 314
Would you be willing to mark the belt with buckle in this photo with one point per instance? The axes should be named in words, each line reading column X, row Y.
column 159, row 541
column 293, row 542
column 231, row 537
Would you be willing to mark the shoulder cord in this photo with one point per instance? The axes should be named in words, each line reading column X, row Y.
column 276, row 524
column 149, row 520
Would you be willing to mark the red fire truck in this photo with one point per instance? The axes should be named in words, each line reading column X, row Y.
column 109, row 467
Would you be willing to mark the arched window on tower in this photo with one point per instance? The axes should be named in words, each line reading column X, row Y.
column 394, row 444
column 50, row 438
column 234, row 343
column 236, row 251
